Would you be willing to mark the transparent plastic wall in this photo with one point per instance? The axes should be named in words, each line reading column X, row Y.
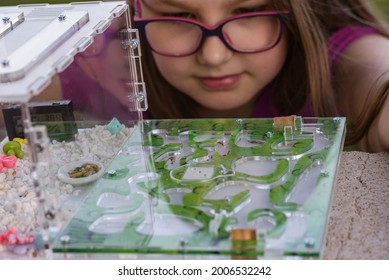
column 71, row 93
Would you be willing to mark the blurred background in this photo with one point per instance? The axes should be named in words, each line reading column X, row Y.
column 382, row 4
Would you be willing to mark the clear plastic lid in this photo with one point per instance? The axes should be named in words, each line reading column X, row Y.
column 82, row 52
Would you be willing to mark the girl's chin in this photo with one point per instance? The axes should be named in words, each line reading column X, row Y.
column 224, row 111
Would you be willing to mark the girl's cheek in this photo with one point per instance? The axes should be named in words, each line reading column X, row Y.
column 172, row 66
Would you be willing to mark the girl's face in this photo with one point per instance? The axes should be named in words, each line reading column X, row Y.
column 219, row 79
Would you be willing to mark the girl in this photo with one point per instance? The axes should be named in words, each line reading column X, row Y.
column 263, row 58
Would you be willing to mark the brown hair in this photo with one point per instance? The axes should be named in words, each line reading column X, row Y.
column 306, row 73
column 375, row 100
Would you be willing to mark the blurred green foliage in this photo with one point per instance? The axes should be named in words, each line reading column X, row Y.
column 383, row 7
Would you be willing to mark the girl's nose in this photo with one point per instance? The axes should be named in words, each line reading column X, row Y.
column 213, row 52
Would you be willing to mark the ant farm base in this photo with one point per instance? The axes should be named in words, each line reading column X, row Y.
column 246, row 188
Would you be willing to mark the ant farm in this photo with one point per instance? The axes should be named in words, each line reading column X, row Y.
column 246, row 188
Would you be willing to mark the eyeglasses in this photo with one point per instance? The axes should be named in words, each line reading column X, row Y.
column 245, row 33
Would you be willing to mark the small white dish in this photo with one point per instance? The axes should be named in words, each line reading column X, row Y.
column 63, row 173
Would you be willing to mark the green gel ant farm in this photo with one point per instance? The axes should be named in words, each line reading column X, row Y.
column 249, row 188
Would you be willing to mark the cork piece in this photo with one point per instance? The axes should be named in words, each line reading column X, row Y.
column 243, row 243
column 281, row 122
column 243, row 234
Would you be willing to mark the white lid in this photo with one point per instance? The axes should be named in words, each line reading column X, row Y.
column 37, row 41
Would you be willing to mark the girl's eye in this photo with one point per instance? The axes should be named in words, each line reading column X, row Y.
column 245, row 10
column 180, row 15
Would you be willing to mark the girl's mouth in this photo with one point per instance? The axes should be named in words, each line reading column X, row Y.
column 220, row 83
